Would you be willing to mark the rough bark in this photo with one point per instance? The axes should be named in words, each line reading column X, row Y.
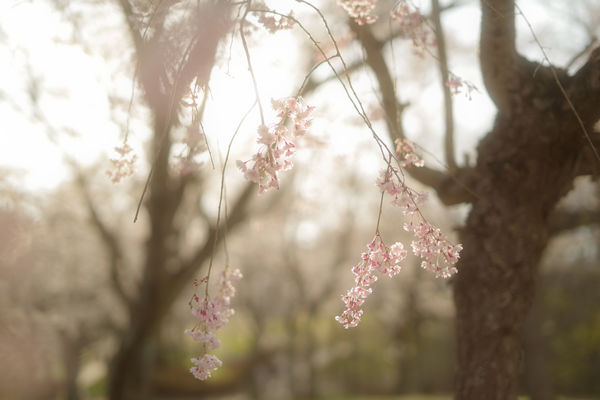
column 525, row 165
column 537, row 367
column 503, row 239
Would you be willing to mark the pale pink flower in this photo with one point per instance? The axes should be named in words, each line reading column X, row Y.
column 212, row 315
column 204, row 365
column 404, row 197
column 439, row 255
column 379, row 259
column 458, row 85
column 123, row 166
column 413, row 26
column 200, row 336
column 275, row 23
column 407, row 155
column 278, row 143
column 360, row 10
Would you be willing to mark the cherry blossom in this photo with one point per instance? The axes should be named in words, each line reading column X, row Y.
column 458, row 85
column 404, row 197
column 360, row 10
column 123, row 165
column 406, row 153
column 379, row 259
column 278, row 143
column 204, row 365
column 212, row 314
column 273, row 23
column 413, row 25
column 439, row 255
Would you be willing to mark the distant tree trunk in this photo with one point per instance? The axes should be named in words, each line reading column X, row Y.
column 71, row 349
column 131, row 368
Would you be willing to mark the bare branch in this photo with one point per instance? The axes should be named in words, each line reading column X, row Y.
column 376, row 62
column 562, row 220
column 498, row 54
column 592, row 43
column 399, row 33
column 188, row 269
column 584, row 91
column 443, row 65
column 109, row 240
column 451, row 188
column 135, row 33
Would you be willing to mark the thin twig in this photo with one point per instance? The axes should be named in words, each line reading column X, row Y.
column 221, row 198
column 250, row 69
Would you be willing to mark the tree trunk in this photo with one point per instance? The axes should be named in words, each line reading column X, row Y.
column 131, row 368
column 525, row 165
column 538, row 380
column 71, row 350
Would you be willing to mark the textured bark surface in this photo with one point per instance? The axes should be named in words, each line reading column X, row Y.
column 525, row 165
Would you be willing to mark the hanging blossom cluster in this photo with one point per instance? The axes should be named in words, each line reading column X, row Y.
column 123, row 164
column 378, row 259
column 404, row 197
column 407, row 155
column 360, row 10
column 413, row 25
column 195, row 145
column 271, row 22
column 278, row 143
column 437, row 253
column 458, row 85
column 212, row 315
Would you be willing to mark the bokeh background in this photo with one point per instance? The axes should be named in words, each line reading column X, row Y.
column 73, row 262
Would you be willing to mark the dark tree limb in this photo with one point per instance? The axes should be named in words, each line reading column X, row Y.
column 375, row 60
column 189, row 267
column 562, row 220
column 451, row 188
column 584, row 90
column 498, row 55
column 358, row 64
column 440, row 39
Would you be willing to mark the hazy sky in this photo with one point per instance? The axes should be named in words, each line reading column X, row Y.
column 73, row 85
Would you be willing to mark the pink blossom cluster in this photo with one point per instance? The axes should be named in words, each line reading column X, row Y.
column 407, row 155
column 439, row 255
column 123, row 165
column 212, row 315
column 413, row 25
column 278, row 143
column 458, row 85
column 203, row 365
column 277, row 23
column 379, row 259
column 195, row 144
column 360, row 10
column 404, row 197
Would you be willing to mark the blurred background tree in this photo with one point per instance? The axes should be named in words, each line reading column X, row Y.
column 95, row 305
